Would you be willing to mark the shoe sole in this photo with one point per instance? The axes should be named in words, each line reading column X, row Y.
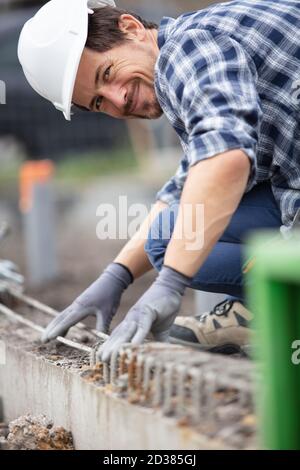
column 227, row 349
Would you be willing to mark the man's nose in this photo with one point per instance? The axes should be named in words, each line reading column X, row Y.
column 115, row 95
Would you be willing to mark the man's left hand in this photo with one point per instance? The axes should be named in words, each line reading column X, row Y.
column 155, row 312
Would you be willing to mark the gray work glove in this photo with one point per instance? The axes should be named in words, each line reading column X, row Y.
column 155, row 312
column 102, row 299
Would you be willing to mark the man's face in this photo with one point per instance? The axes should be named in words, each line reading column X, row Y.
column 119, row 82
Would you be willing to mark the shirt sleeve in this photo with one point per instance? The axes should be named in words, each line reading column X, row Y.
column 211, row 84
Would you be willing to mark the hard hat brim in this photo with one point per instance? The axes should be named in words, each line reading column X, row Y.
column 70, row 79
column 76, row 55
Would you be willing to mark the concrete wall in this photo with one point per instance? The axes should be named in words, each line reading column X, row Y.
column 97, row 418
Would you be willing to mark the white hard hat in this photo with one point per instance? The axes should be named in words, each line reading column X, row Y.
column 50, row 48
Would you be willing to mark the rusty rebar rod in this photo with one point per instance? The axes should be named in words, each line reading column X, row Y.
column 15, row 316
column 49, row 311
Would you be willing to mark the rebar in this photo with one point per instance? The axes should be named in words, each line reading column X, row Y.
column 15, row 316
column 183, row 383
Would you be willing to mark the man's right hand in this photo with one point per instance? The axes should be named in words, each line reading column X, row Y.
column 101, row 299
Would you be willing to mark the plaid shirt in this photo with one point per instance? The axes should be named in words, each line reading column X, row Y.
column 228, row 77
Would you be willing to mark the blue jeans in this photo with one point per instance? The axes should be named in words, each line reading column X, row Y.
column 222, row 271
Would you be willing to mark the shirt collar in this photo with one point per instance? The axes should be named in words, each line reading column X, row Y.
column 164, row 30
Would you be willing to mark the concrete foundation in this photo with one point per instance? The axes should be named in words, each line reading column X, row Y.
column 97, row 418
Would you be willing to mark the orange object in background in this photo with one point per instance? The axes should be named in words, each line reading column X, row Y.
column 33, row 172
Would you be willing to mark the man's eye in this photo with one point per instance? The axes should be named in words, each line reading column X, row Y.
column 106, row 73
column 98, row 103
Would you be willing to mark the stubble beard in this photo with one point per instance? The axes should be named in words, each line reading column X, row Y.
column 150, row 109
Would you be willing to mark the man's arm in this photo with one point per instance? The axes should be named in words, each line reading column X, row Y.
column 133, row 255
column 218, row 183
column 103, row 297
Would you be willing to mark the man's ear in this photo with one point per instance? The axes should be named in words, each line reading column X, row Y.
column 132, row 27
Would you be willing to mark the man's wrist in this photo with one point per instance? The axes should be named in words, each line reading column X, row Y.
column 127, row 270
column 174, row 279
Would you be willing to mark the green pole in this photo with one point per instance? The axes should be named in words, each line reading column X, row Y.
column 274, row 298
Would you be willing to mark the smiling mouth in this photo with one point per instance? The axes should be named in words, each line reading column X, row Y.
column 134, row 99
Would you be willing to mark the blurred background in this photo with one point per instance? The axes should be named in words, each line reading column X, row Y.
column 96, row 160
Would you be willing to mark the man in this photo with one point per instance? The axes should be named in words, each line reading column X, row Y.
column 226, row 78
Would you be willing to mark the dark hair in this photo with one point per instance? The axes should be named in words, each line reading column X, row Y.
column 103, row 29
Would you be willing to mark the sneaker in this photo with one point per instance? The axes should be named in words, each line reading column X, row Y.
column 224, row 330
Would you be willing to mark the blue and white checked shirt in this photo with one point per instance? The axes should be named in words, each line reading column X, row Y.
column 228, row 77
